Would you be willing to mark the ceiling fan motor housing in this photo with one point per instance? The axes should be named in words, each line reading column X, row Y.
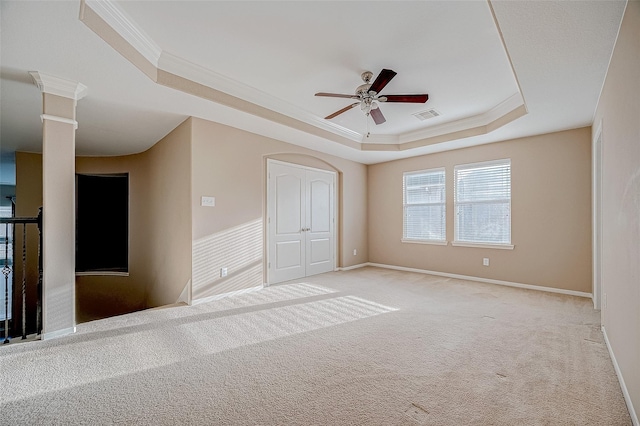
column 363, row 90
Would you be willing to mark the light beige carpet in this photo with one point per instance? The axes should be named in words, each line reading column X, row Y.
column 364, row 347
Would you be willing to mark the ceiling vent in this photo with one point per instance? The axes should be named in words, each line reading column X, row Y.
column 425, row 115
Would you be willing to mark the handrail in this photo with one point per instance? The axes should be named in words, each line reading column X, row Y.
column 19, row 220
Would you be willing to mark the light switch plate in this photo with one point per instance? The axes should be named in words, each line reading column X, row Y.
column 208, row 201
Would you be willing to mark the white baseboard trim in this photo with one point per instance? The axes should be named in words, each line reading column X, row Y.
column 625, row 391
column 349, row 268
column 58, row 333
column 485, row 280
column 223, row 295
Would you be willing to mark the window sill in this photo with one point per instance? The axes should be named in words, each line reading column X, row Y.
column 102, row 273
column 435, row 243
column 483, row 245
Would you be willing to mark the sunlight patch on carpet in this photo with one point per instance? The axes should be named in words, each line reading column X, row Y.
column 265, row 296
column 87, row 359
column 226, row 333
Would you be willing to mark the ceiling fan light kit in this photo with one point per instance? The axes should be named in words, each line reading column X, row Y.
column 367, row 95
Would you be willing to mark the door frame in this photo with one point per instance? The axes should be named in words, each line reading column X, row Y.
column 266, row 218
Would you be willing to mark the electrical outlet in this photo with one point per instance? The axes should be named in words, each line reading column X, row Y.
column 355, row 252
column 485, row 261
column 604, row 300
column 223, row 272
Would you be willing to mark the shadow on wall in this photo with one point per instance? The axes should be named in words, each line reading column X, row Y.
column 238, row 249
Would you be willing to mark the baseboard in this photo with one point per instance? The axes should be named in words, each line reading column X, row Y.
column 625, row 391
column 485, row 280
column 58, row 333
column 223, row 295
column 349, row 268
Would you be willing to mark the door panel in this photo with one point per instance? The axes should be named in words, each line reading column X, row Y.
column 320, row 251
column 320, row 199
column 289, row 194
column 288, row 255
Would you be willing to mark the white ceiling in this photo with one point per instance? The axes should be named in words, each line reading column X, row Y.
column 552, row 55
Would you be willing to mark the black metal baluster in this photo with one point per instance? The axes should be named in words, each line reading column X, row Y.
column 39, row 301
column 24, row 280
column 6, row 271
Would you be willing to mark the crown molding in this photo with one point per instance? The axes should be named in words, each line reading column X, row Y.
column 502, row 109
column 381, row 139
column 505, row 107
column 117, row 19
column 176, row 65
column 58, row 86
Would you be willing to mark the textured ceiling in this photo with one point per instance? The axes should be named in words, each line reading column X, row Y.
column 450, row 50
column 281, row 53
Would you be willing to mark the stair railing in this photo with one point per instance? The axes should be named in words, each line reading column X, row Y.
column 8, row 268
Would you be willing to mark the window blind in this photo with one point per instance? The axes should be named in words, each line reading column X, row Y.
column 424, row 205
column 482, row 198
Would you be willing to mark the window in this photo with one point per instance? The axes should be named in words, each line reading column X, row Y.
column 424, row 206
column 102, row 223
column 482, row 198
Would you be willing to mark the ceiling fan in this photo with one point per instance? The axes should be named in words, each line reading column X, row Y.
column 368, row 96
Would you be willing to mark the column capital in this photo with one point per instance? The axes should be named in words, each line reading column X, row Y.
column 58, row 86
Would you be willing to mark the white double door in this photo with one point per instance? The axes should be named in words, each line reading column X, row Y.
column 300, row 208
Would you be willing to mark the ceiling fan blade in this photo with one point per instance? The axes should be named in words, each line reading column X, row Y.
column 345, row 109
column 336, row 95
column 377, row 116
column 382, row 80
column 416, row 99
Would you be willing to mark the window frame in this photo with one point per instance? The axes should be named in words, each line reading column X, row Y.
column 406, row 239
column 482, row 244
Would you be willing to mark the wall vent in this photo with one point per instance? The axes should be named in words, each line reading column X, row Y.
column 425, row 115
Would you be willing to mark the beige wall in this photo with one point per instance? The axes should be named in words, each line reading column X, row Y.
column 103, row 296
column 550, row 205
column 159, row 225
column 230, row 165
column 168, row 217
column 619, row 113
column 96, row 296
column 159, row 229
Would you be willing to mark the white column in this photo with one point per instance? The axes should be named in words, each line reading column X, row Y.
column 59, row 126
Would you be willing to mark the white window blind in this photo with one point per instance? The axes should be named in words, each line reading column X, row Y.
column 482, row 198
column 424, row 205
